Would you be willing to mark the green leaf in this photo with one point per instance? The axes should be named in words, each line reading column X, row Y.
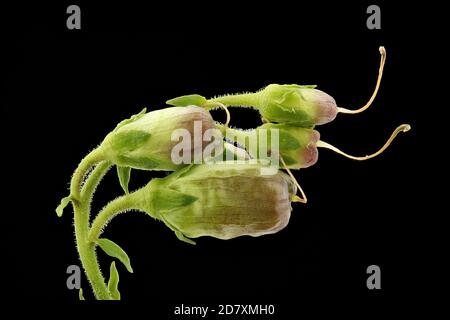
column 188, row 100
column 183, row 238
column 297, row 86
column 113, row 282
column 64, row 202
column 115, row 251
column 80, row 294
column 131, row 119
column 129, row 140
column 166, row 200
column 144, row 163
column 178, row 233
column 124, row 177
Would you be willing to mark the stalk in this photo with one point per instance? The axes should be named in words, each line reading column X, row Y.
column 242, row 100
column 81, row 206
column 119, row 205
column 85, row 165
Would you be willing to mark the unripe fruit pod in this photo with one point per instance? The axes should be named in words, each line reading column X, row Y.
column 298, row 105
column 144, row 142
column 296, row 145
column 221, row 200
column 302, row 106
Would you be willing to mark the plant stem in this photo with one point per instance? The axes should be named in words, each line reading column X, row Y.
column 122, row 204
column 75, row 184
column 94, row 179
column 243, row 100
column 86, row 249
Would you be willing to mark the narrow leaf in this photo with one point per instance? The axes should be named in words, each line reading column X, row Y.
column 165, row 200
column 296, row 198
column 80, row 294
column 131, row 119
column 124, row 177
column 188, row 100
column 64, row 202
column 297, row 86
column 129, row 140
column 113, row 282
column 113, row 250
column 177, row 232
column 144, row 163
column 183, row 238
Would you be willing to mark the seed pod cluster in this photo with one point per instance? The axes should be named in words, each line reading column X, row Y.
column 294, row 111
column 201, row 200
column 215, row 197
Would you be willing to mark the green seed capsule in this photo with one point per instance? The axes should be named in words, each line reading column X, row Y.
column 298, row 105
column 202, row 200
column 302, row 106
column 296, row 145
column 146, row 141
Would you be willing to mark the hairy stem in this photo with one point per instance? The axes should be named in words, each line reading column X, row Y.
column 91, row 159
column 242, row 100
column 94, row 179
column 86, row 249
column 122, row 204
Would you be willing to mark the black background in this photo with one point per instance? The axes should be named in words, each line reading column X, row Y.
column 67, row 89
